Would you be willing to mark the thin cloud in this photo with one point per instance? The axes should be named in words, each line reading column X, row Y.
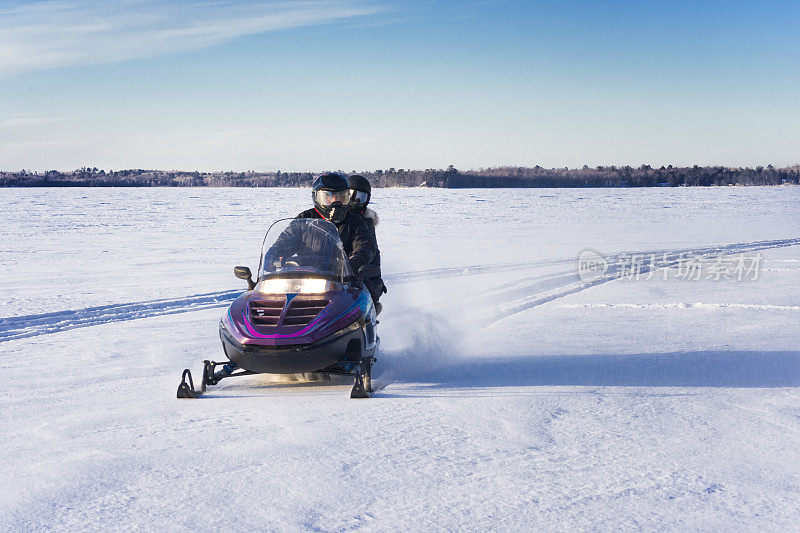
column 52, row 34
column 27, row 121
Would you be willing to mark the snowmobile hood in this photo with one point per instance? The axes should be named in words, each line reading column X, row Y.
column 290, row 319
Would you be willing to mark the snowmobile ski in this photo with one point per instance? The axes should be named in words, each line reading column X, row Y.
column 362, row 386
column 186, row 388
column 210, row 377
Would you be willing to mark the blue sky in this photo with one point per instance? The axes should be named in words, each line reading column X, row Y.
column 365, row 84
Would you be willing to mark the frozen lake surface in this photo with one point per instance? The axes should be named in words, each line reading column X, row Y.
column 515, row 396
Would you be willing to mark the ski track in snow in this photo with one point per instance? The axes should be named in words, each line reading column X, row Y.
column 41, row 324
column 534, row 290
column 518, row 296
column 21, row 327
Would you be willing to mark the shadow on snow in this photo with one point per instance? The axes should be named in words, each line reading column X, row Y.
column 682, row 369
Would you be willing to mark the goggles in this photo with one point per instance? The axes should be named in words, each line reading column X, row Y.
column 327, row 198
column 359, row 196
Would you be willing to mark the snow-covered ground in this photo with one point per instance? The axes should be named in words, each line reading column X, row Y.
column 515, row 396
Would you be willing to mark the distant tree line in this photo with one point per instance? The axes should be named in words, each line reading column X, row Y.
column 499, row 177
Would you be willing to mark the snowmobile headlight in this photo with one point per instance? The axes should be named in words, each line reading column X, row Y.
column 294, row 286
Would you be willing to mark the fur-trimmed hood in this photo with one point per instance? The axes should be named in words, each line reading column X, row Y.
column 372, row 215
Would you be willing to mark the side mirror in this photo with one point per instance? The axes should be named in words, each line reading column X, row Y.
column 245, row 274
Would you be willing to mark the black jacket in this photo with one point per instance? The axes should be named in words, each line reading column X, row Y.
column 359, row 242
column 372, row 272
column 371, row 218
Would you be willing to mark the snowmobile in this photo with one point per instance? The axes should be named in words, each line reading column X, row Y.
column 307, row 312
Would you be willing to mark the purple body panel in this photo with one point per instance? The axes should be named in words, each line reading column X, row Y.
column 285, row 320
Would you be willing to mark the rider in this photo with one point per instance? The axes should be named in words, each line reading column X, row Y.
column 331, row 197
column 360, row 194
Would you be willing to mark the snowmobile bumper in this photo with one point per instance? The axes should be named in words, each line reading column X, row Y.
column 292, row 359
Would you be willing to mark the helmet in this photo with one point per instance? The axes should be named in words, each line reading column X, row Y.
column 361, row 192
column 331, row 196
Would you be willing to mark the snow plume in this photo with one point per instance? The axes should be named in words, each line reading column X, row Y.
column 422, row 343
column 429, row 329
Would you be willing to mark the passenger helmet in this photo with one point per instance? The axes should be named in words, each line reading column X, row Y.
column 360, row 192
column 331, row 196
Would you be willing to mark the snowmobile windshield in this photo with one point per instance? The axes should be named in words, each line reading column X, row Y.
column 307, row 250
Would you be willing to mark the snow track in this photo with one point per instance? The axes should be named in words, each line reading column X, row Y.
column 31, row 325
column 509, row 298
column 515, row 297
column 20, row 327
